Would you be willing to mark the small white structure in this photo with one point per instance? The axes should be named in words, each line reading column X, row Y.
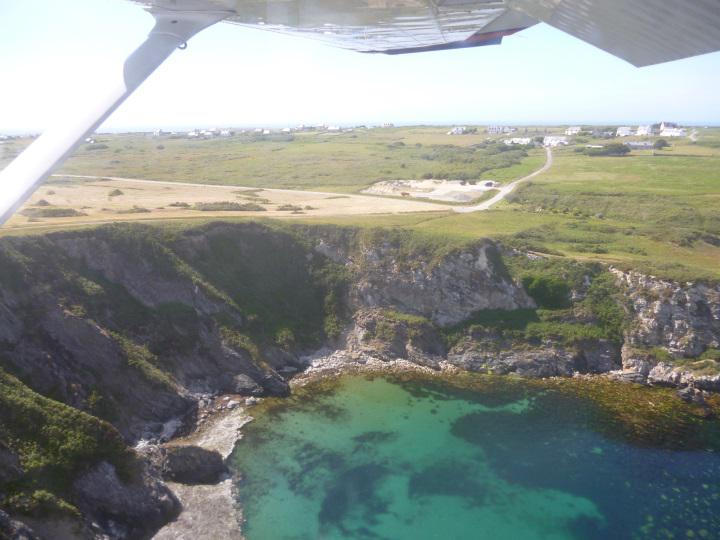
column 624, row 131
column 673, row 132
column 640, row 145
column 555, row 140
column 227, row 133
column 158, row 133
column 194, row 134
column 667, row 125
column 334, row 129
column 518, row 140
column 458, row 130
column 285, row 130
column 266, row 132
column 496, row 130
column 573, row 130
column 643, row 131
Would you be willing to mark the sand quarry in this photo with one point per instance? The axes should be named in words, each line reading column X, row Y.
column 437, row 190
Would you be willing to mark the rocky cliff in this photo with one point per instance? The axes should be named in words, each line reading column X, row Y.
column 673, row 337
column 114, row 336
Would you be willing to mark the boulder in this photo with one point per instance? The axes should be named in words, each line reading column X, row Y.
column 11, row 529
column 134, row 509
column 10, row 468
column 192, row 465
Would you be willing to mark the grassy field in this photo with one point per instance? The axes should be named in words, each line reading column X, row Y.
column 339, row 162
column 657, row 213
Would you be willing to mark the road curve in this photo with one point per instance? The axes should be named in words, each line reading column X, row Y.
column 505, row 190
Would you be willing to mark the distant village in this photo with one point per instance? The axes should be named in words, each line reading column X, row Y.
column 661, row 129
column 226, row 132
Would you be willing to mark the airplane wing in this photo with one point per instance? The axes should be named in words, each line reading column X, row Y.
column 643, row 32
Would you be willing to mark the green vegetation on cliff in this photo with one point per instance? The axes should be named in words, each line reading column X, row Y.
column 54, row 442
column 596, row 313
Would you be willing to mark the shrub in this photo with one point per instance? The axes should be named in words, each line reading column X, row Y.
column 228, row 206
column 115, row 193
column 50, row 212
column 134, row 210
column 612, row 149
column 548, row 292
column 289, row 208
column 96, row 146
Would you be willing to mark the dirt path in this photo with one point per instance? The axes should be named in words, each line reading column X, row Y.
column 505, row 190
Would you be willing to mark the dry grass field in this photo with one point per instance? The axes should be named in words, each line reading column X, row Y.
column 67, row 201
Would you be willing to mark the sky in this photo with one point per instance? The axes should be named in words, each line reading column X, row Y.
column 55, row 55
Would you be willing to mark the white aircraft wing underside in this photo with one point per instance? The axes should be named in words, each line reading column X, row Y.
column 643, row 32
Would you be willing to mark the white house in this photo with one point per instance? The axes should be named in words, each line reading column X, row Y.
column 643, row 131
column 668, row 125
column 624, row 131
column 673, row 132
column 555, row 140
column 458, row 130
column 496, row 130
column 573, row 130
column 518, row 140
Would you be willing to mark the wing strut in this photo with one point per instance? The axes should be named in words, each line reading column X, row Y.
column 23, row 176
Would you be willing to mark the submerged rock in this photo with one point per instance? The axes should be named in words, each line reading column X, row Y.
column 12, row 529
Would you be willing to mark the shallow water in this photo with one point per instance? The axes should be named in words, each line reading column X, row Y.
column 374, row 459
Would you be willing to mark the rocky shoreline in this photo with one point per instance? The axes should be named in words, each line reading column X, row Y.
column 209, row 510
column 214, row 510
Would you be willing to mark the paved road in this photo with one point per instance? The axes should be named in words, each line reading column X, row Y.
column 505, row 190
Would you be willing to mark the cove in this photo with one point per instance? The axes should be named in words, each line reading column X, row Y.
column 371, row 457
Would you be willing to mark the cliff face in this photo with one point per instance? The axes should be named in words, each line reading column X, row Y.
column 136, row 325
column 445, row 290
column 674, row 332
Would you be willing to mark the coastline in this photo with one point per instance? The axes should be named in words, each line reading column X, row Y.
column 213, row 511
column 210, row 510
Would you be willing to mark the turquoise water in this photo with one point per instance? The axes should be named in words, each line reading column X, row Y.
column 374, row 459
